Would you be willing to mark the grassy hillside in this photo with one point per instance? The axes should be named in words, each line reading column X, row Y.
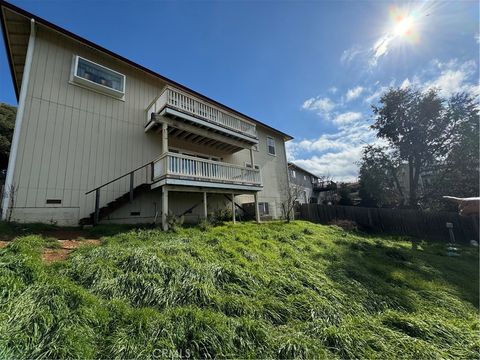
column 239, row 291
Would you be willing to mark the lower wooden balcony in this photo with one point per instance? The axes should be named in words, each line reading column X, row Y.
column 184, row 170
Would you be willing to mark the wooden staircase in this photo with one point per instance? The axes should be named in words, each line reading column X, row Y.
column 102, row 212
column 115, row 204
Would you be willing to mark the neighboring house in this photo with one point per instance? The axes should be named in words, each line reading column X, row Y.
column 311, row 186
column 99, row 138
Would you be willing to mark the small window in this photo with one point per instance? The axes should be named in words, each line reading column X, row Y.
column 304, row 177
column 294, row 174
column 98, row 77
column 135, row 213
column 271, row 146
column 263, row 208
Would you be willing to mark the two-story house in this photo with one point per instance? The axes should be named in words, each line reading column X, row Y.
column 99, row 138
column 312, row 188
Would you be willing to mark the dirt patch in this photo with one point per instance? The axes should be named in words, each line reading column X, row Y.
column 73, row 244
column 67, row 246
column 65, row 234
column 4, row 244
column 53, row 255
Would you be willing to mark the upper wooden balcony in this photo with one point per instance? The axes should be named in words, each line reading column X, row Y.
column 176, row 104
column 179, row 169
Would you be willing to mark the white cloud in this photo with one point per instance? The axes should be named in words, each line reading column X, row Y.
column 380, row 48
column 322, row 105
column 354, row 93
column 347, row 118
column 350, row 54
column 454, row 78
column 375, row 95
column 334, row 154
column 341, row 166
column 333, row 90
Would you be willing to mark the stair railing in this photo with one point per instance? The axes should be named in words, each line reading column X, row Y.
column 131, row 174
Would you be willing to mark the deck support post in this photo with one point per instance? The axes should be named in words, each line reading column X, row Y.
column 97, row 207
column 164, row 208
column 251, row 158
column 233, row 209
column 131, row 187
column 257, row 210
column 164, row 138
column 205, row 211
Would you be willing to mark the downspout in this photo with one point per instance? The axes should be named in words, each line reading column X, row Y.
column 18, row 123
column 288, row 174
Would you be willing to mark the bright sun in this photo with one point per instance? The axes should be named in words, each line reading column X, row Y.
column 403, row 26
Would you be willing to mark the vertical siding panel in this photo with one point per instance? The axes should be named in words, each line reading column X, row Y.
column 68, row 148
column 76, row 172
column 45, row 126
column 31, row 170
column 43, row 47
column 49, row 69
column 57, row 155
column 56, row 72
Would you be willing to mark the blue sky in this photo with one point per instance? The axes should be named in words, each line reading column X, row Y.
column 311, row 69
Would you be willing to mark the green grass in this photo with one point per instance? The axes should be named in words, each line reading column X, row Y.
column 274, row 290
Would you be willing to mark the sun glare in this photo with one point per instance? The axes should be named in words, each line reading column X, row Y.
column 404, row 26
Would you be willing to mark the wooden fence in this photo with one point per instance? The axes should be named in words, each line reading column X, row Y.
column 415, row 223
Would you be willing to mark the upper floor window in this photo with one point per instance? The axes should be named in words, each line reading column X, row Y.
column 98, row 77
column 271, row 145
column 294, row 174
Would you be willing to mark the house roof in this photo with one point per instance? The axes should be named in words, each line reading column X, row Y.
column 291, row 164
column 15, row 56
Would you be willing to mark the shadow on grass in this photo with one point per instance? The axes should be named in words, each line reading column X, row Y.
column 11, row 230
column 385, row 275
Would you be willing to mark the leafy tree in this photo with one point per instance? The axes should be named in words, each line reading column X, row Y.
column 458, row 174
column 415, row 126
column 344, row 194
column 425, row 132
column 379, row 183
column 7, row 123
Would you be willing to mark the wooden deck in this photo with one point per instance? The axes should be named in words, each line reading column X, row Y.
column 179, row 166
column 191, row 105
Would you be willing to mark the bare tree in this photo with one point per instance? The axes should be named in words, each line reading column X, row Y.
column 291, row 195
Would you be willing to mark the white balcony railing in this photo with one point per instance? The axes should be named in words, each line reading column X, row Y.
column 183, row 166
column 194, row 106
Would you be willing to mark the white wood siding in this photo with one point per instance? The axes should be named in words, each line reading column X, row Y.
column 74, row 139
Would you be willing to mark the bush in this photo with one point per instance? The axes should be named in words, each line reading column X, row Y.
column 219, row 216
column 204, row 225
column 346, row 225
column 174, row 222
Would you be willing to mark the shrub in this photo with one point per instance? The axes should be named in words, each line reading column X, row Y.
column 204, row 225
column 219, row 216
column 346, row 225
column 174, row 222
